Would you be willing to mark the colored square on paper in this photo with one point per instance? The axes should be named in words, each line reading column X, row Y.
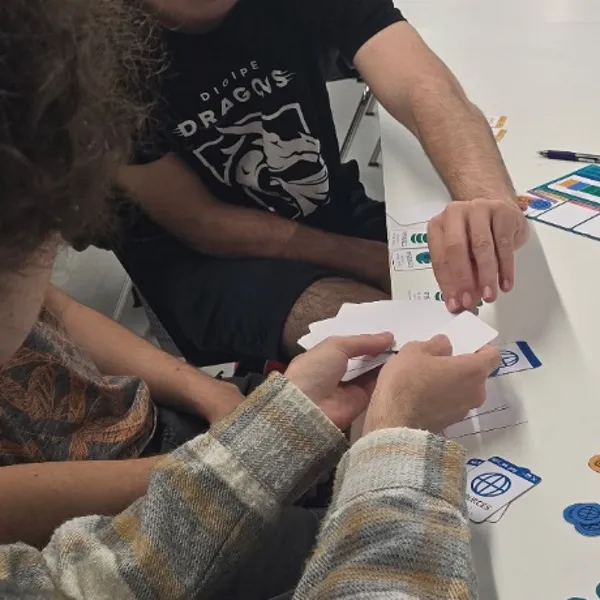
column 571, row 202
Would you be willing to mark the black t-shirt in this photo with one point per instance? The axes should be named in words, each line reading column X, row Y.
column 246, row 105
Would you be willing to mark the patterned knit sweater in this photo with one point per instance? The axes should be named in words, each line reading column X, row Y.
column 397, row 527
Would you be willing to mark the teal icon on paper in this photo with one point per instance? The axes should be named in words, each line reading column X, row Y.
column 579, row 598
column 424, row 258
column 418, row 238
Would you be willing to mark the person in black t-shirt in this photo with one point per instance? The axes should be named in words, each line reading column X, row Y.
column 251, row 226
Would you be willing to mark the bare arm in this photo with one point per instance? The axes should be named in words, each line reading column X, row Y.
column 176, row 198
column 117, row 351
column 36, row 499
column 415, row 86
column 472, row 243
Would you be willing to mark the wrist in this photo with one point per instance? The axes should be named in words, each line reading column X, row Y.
column 371, row 260
column 194, row 392
column 390, row 413
column 366, row 258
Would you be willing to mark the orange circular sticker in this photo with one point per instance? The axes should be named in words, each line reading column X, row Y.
column 595, row 463
column 523, row 202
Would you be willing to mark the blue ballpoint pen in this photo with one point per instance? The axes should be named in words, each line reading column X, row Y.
column 572, row 156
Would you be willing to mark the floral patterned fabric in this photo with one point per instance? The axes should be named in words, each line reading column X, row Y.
column 55, row 405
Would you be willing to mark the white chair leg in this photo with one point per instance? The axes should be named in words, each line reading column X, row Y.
column 374, row 160
column 361, row 110
column 372, row 106
column 123, row 298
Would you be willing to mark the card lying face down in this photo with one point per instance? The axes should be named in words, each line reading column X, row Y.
column 408, row 321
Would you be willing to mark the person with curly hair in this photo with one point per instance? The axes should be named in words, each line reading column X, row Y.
column 212, row 519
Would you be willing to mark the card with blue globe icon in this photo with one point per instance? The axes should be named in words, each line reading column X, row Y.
column 515, row 357
column 495, row 483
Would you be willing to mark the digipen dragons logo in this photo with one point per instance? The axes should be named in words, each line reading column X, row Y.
column 274, row 158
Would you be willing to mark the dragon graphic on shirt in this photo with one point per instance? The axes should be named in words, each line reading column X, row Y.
column 274, row 158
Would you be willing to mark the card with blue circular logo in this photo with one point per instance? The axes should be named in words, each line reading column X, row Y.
column 515, row 357
column 494, row 484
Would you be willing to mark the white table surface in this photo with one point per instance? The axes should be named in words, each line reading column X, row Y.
column 534, row 61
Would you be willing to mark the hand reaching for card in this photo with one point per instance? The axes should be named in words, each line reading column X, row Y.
column 425, row 387
column 472, row 245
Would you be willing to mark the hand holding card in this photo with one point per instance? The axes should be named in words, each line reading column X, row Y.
column 318, row 374
column 408, row 321
column 425, row 387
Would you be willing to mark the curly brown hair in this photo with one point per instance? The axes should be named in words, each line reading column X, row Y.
column 70, row 102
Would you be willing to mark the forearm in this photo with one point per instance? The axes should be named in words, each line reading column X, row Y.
column 242, row 232
column 459, row 142
column 117, row 351
column 175, row 197
column 228, row 486
column 226, row 230
column 398, row 523
column 417, row 88
column 36, row 499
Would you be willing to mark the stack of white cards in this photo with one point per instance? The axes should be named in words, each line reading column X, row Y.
column 502, row 408
column 420, row 321
column 408, row 321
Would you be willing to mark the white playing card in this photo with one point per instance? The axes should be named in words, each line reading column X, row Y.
column 497, row 516
column 496, row 398
column 364, row 364
column 425, row 294
column 408, row 236
column 494, row 484
column 411, row 260
column 408, row 321
column 466, row 332
column 471, row 464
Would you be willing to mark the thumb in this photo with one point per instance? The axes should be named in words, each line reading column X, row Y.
column 438, row 346
column 489, row 358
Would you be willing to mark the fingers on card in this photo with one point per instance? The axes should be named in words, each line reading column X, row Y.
column 411, row 260
column 494, row 484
